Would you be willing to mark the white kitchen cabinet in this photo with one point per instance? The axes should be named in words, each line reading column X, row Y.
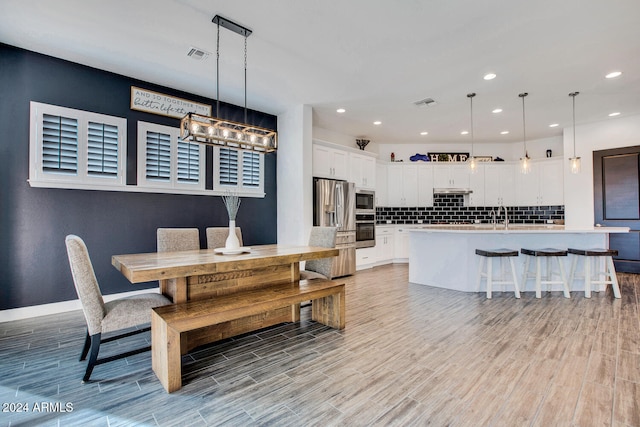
column 385, row 246
column 425, row 185
column 365, row 258
column 499, row 184
column 330, row 162
column 381, row 184
column 362, row 171
column 476, row 184
column 451, row 176
column 542, row 186
column 402, row 244
column 552, row 182
column 402, row 185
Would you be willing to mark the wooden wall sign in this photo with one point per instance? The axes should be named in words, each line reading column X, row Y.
column 165, row 105
column 448, row 157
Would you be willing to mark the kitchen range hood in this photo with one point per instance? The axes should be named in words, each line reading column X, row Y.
column 452, row 191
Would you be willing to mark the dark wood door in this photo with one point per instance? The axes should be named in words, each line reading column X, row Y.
column 616, row 180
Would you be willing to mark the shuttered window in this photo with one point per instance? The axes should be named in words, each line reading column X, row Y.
column 228, row 166
column 238, row 170
column 71, row 148
column 251, row 176
column 158, row 156
column 188, row 162
column 59, row 144
column 166, row 163
column 102, row 140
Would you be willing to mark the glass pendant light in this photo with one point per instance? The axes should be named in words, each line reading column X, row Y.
column 473, row 163
column 574, row 162
column 525, row 163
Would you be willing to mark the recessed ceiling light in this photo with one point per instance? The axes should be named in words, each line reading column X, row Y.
column 617, row 113
column 464, row 132
column 424, row 133
column 497, row 110
column 554, row 125
column 377, row 122
column 613, row 74
column 504, row 132
column 340, row 110
column 489, row 76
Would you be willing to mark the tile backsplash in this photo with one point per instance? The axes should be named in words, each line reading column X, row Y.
column 449, row 208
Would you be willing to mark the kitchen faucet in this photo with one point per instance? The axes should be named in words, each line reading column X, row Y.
column 493, row 218
column 506, row 217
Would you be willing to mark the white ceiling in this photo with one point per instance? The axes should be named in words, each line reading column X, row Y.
column 374, row 58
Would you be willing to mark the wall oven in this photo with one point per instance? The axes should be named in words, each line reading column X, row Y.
column 365, row 230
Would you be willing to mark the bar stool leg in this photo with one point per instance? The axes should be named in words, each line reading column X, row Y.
column 614, row 279
column 574, row 264
column 538, row 277
column 489, row 277
column 587, row 277
column 525, row 274
column 563, row 276
column 480, row 273
column 513, row 275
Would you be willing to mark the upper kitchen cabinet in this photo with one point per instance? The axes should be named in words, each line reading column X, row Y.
column 363, row 171
column 381, row 184
column 476, row 185
column 450, row 175
column 425, row 185
column 329, row 162
column 499, row 184
column 402, row 185
column 542, row 186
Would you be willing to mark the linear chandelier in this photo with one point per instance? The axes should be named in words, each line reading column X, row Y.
column 216, row 131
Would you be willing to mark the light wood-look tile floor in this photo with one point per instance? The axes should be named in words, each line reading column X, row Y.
column 410, row 355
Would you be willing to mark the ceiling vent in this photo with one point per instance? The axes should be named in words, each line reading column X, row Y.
column 425, row 102
column 198, row 54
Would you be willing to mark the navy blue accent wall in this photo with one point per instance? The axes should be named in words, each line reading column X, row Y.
column 34, row 221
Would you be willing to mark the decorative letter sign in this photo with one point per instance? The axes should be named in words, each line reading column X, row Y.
column 165, row 105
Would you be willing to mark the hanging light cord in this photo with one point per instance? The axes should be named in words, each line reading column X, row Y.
column 245, row 79
column 524, row 128
column 470, row 96
column 573, row 99
column 218, row 72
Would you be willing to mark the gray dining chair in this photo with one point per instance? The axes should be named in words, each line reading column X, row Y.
column 114, row 316
column 217, row 236
column 177, row 239
column 324, row 237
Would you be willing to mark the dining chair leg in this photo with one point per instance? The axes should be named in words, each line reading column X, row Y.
column 85, row 348
column 93, row 357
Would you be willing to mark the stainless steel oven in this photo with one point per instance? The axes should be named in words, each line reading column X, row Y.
column 365, row 230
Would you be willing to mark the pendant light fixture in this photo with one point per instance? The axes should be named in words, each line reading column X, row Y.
column 473, row 163
column 216, row 131
column 525, row 164
column 574, row 162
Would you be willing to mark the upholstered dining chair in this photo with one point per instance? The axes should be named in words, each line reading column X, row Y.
column 113, row 316
column 217, row 236
column 178, row 239
column 324, row 237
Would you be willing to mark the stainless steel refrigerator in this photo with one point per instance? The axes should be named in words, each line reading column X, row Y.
column 334, row 206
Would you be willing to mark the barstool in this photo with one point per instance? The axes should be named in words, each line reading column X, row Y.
column 609, row 271
column 549, row 255
column 488, row 255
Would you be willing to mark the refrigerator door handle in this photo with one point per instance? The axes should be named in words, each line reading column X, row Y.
column 339, row 205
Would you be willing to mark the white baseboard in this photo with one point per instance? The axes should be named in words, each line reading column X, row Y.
column 58, row 307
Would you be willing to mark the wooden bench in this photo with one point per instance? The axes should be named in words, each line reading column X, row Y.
column 170, row 322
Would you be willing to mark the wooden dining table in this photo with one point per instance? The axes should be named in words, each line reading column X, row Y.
column 201, row 274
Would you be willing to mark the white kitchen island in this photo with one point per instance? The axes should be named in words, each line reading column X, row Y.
column 444, row 255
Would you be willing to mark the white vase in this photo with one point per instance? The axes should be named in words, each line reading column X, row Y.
column 232, row 240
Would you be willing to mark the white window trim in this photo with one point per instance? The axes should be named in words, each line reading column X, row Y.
column 81, row 180
column 239, row 188
column 173, row 185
